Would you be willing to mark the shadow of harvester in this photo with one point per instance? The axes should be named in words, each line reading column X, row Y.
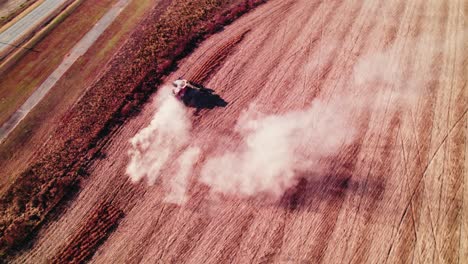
column 204, row 98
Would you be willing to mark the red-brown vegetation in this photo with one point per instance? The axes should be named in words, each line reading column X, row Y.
column 92, row 233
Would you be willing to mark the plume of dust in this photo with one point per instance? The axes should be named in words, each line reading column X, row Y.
column 276, row 148
column 383, row 72
column 153, row 146
column 178, row 184
column 374, row 68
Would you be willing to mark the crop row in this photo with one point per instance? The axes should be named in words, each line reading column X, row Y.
column 203, row 71
column 93, row 232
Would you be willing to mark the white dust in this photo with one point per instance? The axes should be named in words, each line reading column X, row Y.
column 275, row 150
column 153, row 146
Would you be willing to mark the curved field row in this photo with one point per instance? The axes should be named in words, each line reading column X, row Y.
column 201, row 71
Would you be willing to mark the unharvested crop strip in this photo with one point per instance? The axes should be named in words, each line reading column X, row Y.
column 93, row 232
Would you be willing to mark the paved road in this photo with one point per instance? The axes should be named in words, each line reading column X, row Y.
column 392, row 71
column 28, row 23
column 77, row 51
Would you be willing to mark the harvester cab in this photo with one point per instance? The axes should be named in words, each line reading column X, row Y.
column 181, row 86
column 182, row 83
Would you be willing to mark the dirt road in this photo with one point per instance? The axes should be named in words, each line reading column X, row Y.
column 396, row 193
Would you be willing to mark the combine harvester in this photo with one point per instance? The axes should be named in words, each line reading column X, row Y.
column 196, row 95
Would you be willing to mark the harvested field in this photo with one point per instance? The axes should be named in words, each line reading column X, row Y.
column 201, row 72
column 380, row 177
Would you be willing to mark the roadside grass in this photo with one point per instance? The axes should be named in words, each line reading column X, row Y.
column 32, row 132
column 18, row 82
column 130, row 78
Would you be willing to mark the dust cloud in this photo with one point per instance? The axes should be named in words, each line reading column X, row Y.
column 178, row 184
column 277, row 150
column 274, row 150
column 153, row 146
